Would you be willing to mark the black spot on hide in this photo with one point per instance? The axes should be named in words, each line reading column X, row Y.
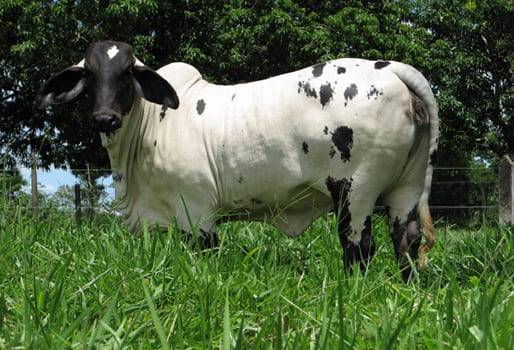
column 162, row 115
column 350, row 92
column 381, row 64
column 200, row 106
column 317, row 70
column 305, row 147
column 306, row 87
column 332, row 152
column 373, row 92
column 325, row 130
column 325, row 94
column 342, row 138
column 341, row 70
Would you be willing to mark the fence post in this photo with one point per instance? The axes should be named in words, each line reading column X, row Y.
column 78, row 209
column 33, row 183
column 506, row 178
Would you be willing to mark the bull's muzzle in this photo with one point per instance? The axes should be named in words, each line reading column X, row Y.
column 107, row 122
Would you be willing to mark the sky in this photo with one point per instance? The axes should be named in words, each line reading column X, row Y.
column 51, row 180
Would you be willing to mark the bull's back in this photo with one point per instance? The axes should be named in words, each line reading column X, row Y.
column 307, row 124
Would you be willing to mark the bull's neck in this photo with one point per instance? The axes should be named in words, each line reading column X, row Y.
column 124, row 145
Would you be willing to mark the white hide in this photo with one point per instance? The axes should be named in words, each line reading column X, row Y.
column 244, row 153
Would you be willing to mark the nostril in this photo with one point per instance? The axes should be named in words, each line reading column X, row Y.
column 105, row 118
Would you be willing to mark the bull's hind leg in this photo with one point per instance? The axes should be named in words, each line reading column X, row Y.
column 353, row 213
column 405, row 233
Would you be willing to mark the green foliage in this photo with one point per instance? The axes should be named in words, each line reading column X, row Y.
column 11, row 180
column 463, row 47
column 98, row 286
column 471, row 42
column 92, row 198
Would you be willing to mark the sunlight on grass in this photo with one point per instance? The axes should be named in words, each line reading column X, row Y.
column 97, row 286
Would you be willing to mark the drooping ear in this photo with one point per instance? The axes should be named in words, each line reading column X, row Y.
column 153, row 87
column 62, row 87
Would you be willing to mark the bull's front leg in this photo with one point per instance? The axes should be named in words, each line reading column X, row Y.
column 204, row 239
column 209, row 239
column 198, row 226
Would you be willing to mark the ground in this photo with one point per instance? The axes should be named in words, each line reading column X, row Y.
column 97, row 286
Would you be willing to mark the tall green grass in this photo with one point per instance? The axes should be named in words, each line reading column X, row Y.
column 97, row 286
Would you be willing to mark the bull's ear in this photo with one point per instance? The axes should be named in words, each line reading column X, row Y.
column 153, row 87
column 62, row 87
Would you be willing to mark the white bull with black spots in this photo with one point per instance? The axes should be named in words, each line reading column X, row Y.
column 285, row 150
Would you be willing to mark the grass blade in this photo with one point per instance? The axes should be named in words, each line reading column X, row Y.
column 155, row 318
column 226, row 325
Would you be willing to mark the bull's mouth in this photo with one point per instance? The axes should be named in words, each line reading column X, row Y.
column 111, row 128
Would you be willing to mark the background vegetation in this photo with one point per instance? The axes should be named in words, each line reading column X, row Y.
column 464, row 47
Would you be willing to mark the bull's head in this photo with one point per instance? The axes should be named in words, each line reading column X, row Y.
column 114, row 78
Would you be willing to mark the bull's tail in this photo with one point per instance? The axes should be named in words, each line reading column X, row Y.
column 419, row 85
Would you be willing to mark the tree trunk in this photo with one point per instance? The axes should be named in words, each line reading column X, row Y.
column 483, row 200
column 90, row 194
column 506, row 179
column 78, row 209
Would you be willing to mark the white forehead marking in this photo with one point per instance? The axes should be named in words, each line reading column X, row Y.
column 113, row 51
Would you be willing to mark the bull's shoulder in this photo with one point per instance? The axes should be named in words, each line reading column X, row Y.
column 180, row 75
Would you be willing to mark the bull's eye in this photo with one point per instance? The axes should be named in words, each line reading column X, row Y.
column 126, row 76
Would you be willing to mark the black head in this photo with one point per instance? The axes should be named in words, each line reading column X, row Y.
column 113, row 77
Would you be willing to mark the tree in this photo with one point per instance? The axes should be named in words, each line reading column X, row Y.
column 11, row 180
column 464, row 48
column 471, row 64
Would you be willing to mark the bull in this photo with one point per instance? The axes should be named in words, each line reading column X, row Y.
column 285, row 150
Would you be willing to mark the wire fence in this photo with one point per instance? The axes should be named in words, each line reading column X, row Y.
column 459, row 194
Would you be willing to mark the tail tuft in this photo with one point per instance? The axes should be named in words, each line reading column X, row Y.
column 428, row 231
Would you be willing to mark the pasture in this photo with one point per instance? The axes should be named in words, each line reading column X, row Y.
column 97, row 286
